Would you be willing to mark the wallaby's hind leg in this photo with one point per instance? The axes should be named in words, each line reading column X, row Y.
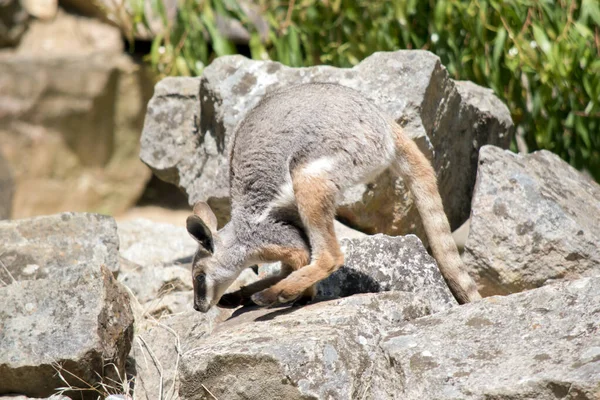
column 291, row 260
column 315, row 198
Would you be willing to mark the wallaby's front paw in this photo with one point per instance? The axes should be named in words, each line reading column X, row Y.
column 265, row 298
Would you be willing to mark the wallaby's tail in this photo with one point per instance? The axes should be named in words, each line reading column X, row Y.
column 420, row 178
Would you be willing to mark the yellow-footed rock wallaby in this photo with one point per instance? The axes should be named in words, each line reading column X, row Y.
column 290, row 158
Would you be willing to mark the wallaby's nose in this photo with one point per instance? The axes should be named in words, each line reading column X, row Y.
column 196, row 307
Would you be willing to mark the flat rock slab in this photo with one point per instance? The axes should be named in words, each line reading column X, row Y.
column 327, row 350
column 81, row 323
column 190, row 122
column 52, row 246
column 540, row 344
column 535, row 219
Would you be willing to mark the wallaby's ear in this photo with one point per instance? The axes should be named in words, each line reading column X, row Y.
column 202, row 225
column 205, row 213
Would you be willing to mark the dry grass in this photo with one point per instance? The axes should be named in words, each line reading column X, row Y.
column 143, row 344
column 105, row 386
column 12, row 278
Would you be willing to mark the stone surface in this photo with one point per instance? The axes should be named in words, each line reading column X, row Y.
column 383, row 263
column 158, row 347
column 328, row 350
column 71, row 111
column 6, row 188
column 190, row 122
column 56, row 245
column 146, row 242
column 81, row 323
column 535, row 219
column 541, row 344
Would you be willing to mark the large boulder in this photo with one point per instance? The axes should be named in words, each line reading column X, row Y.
column 55, row 246
column 535, row 219
column 73, row 331
column 71, row 111
column 189, row 125
column 383, row 263
column 540, row 344
column 328, row 350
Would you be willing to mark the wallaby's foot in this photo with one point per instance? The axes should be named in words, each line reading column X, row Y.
column 271, row 296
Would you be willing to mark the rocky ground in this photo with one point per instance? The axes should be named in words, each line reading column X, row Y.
column 98, row 308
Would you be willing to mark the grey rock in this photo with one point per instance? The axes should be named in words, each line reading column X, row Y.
column 56, row 245
column 541, row 344
column 535, row 219
column 383, row 263
column 328, row 350
column 158, row 346
column 147, row 243
column 6, row 189
column 190, row 122
column 81, row 323
column 175, row 148
column 169, row 303
column 152, row 282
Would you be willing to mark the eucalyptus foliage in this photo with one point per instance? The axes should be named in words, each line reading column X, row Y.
column 541, row 57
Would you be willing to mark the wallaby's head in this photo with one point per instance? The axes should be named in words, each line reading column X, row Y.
column 212, row 273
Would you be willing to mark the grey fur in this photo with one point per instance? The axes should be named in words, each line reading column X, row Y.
column 294, row 126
